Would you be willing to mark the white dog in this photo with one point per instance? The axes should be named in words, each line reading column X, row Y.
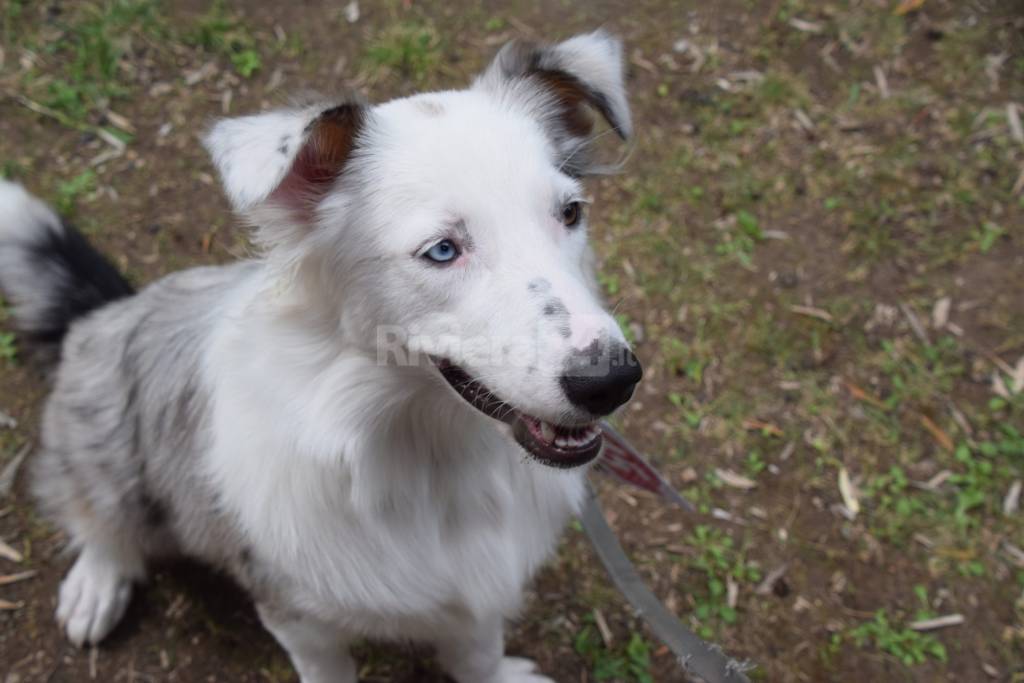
column 343, row 424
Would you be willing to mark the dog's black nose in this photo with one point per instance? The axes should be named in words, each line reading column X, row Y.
column 601, row 377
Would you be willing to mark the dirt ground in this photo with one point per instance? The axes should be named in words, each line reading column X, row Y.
column 817, row 245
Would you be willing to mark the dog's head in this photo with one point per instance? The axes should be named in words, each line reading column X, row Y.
column 452, row 226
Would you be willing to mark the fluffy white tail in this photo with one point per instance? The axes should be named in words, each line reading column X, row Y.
column 49, row 273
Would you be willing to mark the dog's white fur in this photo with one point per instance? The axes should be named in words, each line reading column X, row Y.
column 371, row 499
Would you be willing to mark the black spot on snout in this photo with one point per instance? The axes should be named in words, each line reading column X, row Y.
column 555, row 307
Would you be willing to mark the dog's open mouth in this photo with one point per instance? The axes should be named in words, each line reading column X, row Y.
column 554, row 445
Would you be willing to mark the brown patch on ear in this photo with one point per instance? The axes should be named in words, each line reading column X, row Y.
column 329, row 143
column 527, row 59
column 574, row 98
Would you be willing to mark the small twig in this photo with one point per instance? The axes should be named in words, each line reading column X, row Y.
column 8, row 579
column 65, row 120
column 915, row 324
column 9, row 553
column 1015, row 554
column 813, row 312
column 772, row 578
column 937, row 622
column 10, row 471
column 940, row 436
column 882, row 82
column 602, row 627
column 1011, row 502
column 1013, row 120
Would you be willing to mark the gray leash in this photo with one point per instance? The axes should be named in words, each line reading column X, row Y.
column 698, row 658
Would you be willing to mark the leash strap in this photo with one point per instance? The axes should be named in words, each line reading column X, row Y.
column 623, row 461
column 698, row 658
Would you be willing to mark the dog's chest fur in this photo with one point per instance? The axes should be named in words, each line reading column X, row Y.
column 371, row 496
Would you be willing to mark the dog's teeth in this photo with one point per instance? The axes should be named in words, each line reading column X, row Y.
column 547, row 431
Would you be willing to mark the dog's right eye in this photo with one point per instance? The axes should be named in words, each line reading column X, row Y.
column 571, row 214
column 444, row 251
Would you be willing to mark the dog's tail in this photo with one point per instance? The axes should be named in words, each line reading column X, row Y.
column 49, row 274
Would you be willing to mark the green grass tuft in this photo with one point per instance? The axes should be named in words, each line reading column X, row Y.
column 411, row 49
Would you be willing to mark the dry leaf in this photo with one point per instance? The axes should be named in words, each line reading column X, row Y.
column 9, row 553
column 940, row 313
column 737, row 481
column 10, row 471
column 1015, row 554
column 915, row 324
column 1017, row 377
column 352, row 12
column 937, row 622
column 602, row 627
column 804, row 120
column 938, row 480
column 766, row 586
column 882, row 82
column 766, row 427
column 848, row 491
column 806, row 26
column 907, row 6
column 999, row 387
column 8, row 579
column 1011, row 502
column 864, row 396
column 1013, row 120
column 937, row 433
column 812, row 312
column 120, row 121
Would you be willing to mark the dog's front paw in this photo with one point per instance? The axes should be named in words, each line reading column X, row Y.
column 519, row 670
column 93, row 598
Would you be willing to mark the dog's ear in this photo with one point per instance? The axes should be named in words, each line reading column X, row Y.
column 558, row 83
column 276, row 166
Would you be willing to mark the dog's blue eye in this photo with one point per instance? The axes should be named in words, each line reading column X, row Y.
column 442, row 252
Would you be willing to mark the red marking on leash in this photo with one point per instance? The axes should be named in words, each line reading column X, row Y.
column 624, row 462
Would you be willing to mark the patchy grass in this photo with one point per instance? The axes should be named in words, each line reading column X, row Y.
column 70, row 191
column 629, row 662
column 79, row 71
column 779, row 214
column 410, row 49
column 908, row 646
column 722, row 565
column 222, row 32
column 8, row 347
